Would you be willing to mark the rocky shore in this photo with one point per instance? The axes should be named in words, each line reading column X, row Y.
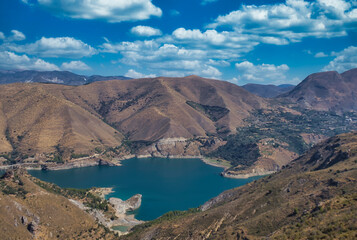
column 122, row 217
column 164, row 148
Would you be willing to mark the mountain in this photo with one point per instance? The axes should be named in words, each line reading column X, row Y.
column 60, row 77
column 35, row 121
column 156, row 108
column 327, row 91
column 315, row 196
column 40, row 118
column 268, row 91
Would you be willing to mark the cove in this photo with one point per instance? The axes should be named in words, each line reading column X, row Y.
column 166, row 184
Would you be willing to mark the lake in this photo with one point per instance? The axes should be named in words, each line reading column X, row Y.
column 166, row 184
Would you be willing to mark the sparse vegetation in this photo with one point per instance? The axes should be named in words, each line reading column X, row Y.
column 79, row 155
column 283, row 127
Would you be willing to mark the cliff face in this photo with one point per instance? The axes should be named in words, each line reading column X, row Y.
column 313, row 195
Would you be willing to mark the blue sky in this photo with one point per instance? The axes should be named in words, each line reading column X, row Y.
column 238, row 41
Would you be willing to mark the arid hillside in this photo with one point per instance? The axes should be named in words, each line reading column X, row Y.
column 34, row 121
column 151, row 109
column 327, row 91
column 315, row 197
column 31, row 209
column 43, row 118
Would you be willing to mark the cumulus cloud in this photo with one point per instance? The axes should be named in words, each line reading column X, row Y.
column 291, row 21
column 10, row 60
column 14, row 36
column 55, row 47
column 229, row 37
column 343, row 61
column 134, row 74
column 17, row 36
column 250, row 73
column 75, row 65
column 145, row 31
column 166, row 59
column 211, row 36
column 320, row 55
column 109, row 10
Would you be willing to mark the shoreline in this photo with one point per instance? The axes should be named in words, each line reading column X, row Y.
column 247, row 175
column 91, row 162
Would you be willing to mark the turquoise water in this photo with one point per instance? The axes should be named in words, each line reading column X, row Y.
column 166, row 184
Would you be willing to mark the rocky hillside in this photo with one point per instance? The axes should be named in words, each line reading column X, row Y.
column 268, row 91
column 31, row 209
column 314, row 197
column 65, row 120
column 152, row 109
column 59, row 77
column 327, row 91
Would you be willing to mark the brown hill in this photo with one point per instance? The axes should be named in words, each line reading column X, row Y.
column 314, row 197
column 32, row 120
column 327, row 91
column 45, row 118
column 151, row 109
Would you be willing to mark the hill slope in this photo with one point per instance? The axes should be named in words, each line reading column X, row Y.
column 315, row 195
column 40, row 118
column 267, row 91
column 327, row 91
column 32, row 120
column 30, row 209
column 151, row 109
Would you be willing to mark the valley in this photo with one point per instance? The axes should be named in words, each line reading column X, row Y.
column 134, row 134
column 108, row 121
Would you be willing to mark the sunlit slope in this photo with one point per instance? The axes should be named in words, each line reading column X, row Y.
column 33, row 121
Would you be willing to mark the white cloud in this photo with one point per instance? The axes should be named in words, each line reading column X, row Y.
column 134, row 74
column 205, row 2
column 75, row 65
column 211, row 72
column 167, row 59
column 344, row 60
column 17, row 36
column 10, row 60
column 211, row 36
column 320, row 55
column 55, row 47
column 110, row 10
column 250, row 73
column 291, row 21
column 145, row 31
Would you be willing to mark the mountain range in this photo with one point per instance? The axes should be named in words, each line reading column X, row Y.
column 173, row 117
column 268, row 91
column 59, row 77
